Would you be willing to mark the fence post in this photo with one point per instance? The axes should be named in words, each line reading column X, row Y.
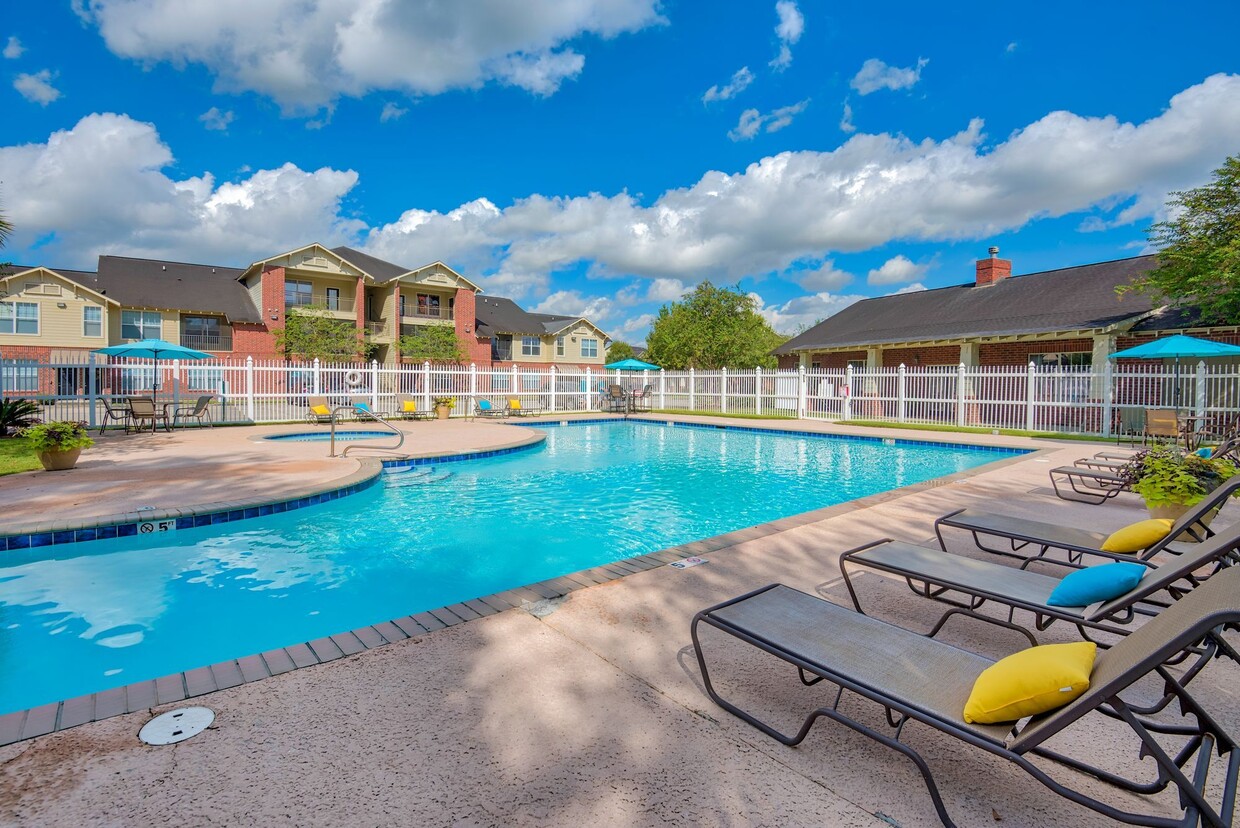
column 589, row 389
column 1108, row 397
column 92, row 388
column 757, row 390
column 1031, row 381
column 426, row 385
column 551, row 404
column 249, row 389
column 960, row 383
column 662, row 388
column 692, row 389
column 374, row 385
column 316, row 378
column 473, row 386
column 723, row 391
column 846, row 408
column 1201, row 388
column 802, row 394
column 901, row 393
column 516, row 374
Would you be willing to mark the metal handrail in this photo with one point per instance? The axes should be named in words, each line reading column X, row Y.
column 332, row 452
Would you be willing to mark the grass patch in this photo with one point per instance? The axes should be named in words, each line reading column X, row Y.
column 17, row 456
column 1006, row 432
column 738, row 416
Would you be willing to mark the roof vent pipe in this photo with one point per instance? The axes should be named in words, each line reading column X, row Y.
column 994, row 253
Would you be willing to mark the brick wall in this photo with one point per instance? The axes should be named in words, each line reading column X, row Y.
column 1017, row 353
column 1231, row 338
column 788, row 362
column 272, row 310
column 477, row 348
column 254, row 340
column 839, row 359
column 928, row 355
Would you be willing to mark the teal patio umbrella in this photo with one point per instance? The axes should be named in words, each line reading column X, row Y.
column 1178, row 347
column 631, row 365
column 155, row 349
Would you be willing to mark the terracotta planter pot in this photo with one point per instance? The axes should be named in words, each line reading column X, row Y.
column 443, row 412
column 1175, row 512
column 59, row 460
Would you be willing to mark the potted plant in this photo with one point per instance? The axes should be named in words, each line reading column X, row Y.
column 443, row 407
column 1171, row 481
column 58, row 444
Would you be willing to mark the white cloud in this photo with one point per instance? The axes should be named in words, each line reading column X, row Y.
column 37, row 87
column 846, row 121
column 916, row 287
column 825, row 277
column 305, row 55
column 876, row 75
column 895, row 271
column 571, row 303
column 1011, row 47
column 803, row 311
column 99, row 188
column 741, row 79
column 666, row 290
column 640, row 323
column 789, row 29
column 214, row 119
column 14, row 48
column 391, row 112
column 752, row 121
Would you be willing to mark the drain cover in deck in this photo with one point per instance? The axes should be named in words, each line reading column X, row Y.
column 176, row 725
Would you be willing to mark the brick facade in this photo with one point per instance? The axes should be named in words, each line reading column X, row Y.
column 1017, row 353
column 928, row 355
column 465, row 315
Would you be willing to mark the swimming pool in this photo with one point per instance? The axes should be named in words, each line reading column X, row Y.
column 83, row 617
column 324, row 436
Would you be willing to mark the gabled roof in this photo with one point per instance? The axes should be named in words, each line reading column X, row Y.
column 554, row 323
column 381, row 271
column 497, row 315
column 150, row 283
column 1070, row 299
column 312, row 256
column 84, row 279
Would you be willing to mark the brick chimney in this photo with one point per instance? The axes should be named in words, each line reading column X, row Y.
column 992, row 270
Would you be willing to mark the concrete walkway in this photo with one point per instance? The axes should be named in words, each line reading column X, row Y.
column 588, row 711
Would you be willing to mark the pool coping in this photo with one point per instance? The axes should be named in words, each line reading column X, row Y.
column 128, row 524
column 53, row 717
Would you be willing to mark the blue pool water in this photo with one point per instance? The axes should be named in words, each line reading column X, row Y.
column 324, row 436
column 83, row 617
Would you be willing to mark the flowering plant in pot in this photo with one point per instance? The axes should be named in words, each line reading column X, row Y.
column 1171, row 481
column 443, row 407
column 58, row 444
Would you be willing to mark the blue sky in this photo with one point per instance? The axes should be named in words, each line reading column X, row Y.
column 603, row 156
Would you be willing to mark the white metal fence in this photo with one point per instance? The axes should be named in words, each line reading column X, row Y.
column 1105, row 400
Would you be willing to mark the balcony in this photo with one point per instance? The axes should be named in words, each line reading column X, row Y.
column 335, row 304
column 377, row 328
column 208, row 342
column 426, row 313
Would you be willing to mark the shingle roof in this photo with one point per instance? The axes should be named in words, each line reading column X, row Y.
column 1173, row 319
column 496, row 315
column 148, row 283
column 1073, row 298
column 554, row 323
column 383, row 271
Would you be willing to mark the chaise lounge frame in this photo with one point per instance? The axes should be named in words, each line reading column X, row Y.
column 930, row 683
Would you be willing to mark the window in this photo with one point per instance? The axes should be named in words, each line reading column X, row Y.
column 531, row 346
column 856, row 364
column 402, row 305
column 19, row 375
column 19, row 318
column 333, row 299
column 92, row 321
column 428, row 304
column 298, row 293
column 589, row 348
column 559, row 346
column 201, row 332
column 1071, row 359
column 141, row 324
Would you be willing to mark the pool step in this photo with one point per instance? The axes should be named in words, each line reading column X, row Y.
column 419, row 479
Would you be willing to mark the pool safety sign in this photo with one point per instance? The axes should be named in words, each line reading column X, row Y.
column 156, row 527
column 687, row 562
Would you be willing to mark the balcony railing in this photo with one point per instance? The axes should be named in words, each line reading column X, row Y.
column 208, row 342
column 377, row 328
column 427, row 313
column 332, row 303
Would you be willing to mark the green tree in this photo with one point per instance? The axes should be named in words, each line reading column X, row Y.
column 712, row 328
column 313, row 333
column 6, row 230
column 619, row 351
column 431, row 343
column 1199, row 249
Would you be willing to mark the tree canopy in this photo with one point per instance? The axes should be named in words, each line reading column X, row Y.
column 313, row 333
column 431, row 343
column 1199, row 255
column 713, row 327
column 619, row 351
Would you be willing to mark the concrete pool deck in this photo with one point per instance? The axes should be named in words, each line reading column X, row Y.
column 586, row 710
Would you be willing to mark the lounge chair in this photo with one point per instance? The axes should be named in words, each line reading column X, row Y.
column 407, row 409
column 1085, row 485
column 914, row 677
column 318, row 410
column 483, row 408
column 934, row 574
column 1114, row 461
column 517, row 409
column 1023, row 533
column 200, row 410
column 113, row 412
column 361, row 408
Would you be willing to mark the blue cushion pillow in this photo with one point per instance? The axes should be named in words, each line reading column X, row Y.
column 362, row 406
column 1096, row 583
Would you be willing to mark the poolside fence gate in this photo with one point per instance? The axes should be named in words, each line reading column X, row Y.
column 1100, row 400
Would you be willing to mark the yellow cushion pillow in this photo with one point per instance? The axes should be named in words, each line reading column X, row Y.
column 1030, row 682
column 515, row 405
column 320, row 410
column 1138, row 536
column 410, row 405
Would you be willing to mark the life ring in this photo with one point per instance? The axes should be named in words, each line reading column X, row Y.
column 353, row 379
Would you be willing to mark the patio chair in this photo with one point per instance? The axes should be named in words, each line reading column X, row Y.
column 1161, row 424
column 113, row 412
column 934, row 574
column 318, row 410
column 642, row 398
column 917, row 678
column 616, row 399
column 1023, row 533
column 407, row 409
column 483, row 408
column 199, row 411
column 143, row 410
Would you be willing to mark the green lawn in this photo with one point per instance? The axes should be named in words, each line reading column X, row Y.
column 737, row 415
column 17, row 456
column 1006, row 432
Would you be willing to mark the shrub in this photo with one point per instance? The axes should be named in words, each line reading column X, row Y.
column 63, row 435
column 17, row 413
column 1168, row 476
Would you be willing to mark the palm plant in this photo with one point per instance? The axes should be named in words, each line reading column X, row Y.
column 17, row 413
